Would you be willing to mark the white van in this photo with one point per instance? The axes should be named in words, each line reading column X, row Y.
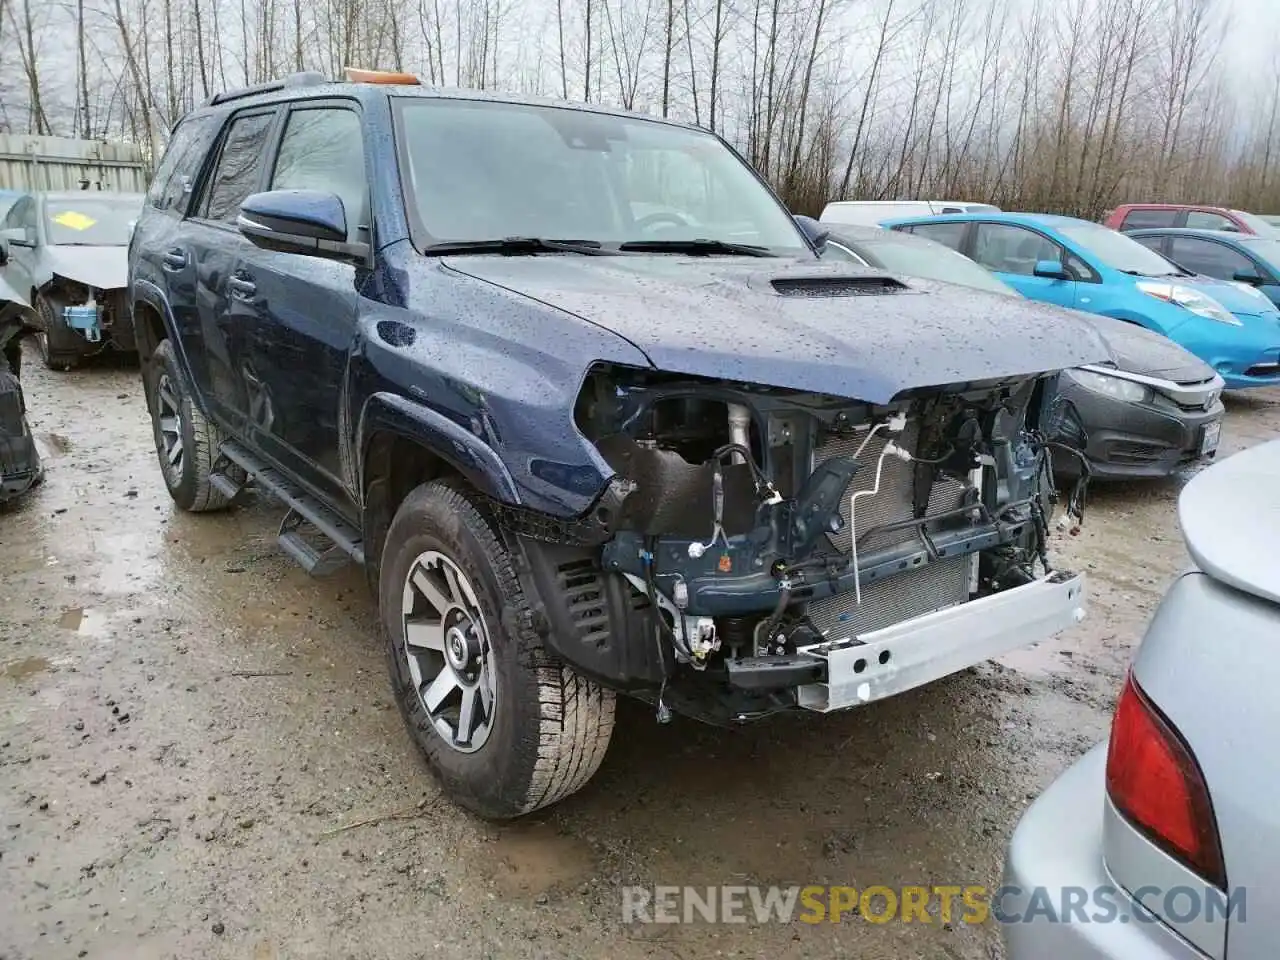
column 871, row 213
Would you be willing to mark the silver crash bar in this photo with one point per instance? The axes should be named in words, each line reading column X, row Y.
column 897, row 658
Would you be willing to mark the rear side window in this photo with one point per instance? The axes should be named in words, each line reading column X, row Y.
column 948, row 234
column 1202, row 220
column 176, row 175
column 1141, row 219
column 322, row 149
column 239, row 169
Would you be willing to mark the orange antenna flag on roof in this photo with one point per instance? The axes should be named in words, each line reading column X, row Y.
column 357, row 75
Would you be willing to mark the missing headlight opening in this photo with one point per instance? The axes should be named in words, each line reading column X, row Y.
column 750, row 530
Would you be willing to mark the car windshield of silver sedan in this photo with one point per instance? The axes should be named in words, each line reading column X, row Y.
column 1119, row 252
column 479, row 171
column 94, row 221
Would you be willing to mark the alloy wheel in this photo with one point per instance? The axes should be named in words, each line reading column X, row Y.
column 448, row 651
column 169, row 421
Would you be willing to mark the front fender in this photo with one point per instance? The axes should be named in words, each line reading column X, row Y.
column 462, row 450
column 146, row 293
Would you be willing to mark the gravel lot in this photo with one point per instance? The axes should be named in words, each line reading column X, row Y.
column 199, row 756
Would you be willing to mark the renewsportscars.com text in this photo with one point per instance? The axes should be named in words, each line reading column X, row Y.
column 968, row 904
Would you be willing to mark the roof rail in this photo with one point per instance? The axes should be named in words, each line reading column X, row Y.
column 308, row 78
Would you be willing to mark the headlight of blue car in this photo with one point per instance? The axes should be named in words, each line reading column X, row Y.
column 1117, row 388
column 1201, row 304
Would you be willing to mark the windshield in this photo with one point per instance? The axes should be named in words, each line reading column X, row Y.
column 478, row 170
column 1117, row 251
column 95, row 220
column 1258, row 225
column 933, row 261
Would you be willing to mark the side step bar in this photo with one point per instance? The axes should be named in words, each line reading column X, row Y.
column 343, row 540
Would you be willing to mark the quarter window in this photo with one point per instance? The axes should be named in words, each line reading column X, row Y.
column 171, row 187
column 322, row 150
column 239, row 167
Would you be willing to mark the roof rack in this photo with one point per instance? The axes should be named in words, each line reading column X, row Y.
column 305, row 79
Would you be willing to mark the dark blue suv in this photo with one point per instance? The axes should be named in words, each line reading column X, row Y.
column 587, row 404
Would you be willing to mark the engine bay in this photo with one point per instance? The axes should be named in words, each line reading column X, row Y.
column 751, row 525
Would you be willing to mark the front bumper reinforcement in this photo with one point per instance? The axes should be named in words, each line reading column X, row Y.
column 910, row 654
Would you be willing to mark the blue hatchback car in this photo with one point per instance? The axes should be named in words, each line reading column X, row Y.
column 1240, row 257
column 1076, row 263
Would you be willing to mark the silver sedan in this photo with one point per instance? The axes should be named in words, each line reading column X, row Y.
column 1164, row 843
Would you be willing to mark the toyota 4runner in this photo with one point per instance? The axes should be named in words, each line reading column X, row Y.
column 588, row 406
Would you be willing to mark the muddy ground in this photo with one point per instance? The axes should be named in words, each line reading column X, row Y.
column 199, row 757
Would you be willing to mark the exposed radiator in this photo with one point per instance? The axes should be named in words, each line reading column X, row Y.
column 914, row 592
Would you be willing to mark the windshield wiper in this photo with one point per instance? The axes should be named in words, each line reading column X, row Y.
column 698, row 246
column 1140, row 273
column 514, row 246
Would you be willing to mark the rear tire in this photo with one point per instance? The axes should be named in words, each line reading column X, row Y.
column 536, row 731
column 61, row 348
column 186, row 442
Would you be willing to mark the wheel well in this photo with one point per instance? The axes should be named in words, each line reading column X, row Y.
column 393, row 467
column 148, row 327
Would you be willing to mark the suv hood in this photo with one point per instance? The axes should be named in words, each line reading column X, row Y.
column 805, row 325
column 1230, row 521
column 1138, row 350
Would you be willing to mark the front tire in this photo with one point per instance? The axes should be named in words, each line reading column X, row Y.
column 186, row 442
column 504, row 725
column 61, row 348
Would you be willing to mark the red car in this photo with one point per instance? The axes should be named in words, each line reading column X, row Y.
column 1134, row 216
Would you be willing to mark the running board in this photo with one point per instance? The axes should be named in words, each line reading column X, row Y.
column 343, row 540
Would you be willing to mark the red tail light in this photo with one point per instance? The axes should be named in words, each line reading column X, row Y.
column 1154, row 780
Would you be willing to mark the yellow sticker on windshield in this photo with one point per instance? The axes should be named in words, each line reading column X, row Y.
column 76, row 221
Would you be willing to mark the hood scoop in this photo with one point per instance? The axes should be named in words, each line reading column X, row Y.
column 837, row 286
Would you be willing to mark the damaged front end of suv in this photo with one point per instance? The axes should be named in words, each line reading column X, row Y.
column 760, row 548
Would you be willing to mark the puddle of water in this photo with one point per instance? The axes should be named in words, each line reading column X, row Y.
column 86, row 622
column 535, row 858
column 27, row 667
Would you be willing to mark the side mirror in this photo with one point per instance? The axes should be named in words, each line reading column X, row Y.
column 299, row 221
column 1251, row 277
column 815, row 231
column 4, row 251
column 1051, row 270
column 17, row 236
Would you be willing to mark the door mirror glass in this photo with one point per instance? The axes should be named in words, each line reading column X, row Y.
column 815, row 231
column 298, row 221
column 1051, row 270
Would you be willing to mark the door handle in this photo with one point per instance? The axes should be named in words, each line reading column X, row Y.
column 174, row 259
column 240, row 288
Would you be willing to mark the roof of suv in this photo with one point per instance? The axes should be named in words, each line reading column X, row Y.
column 341, row 88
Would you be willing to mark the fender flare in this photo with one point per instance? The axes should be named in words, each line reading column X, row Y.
column 464, row 451
column 146, row 292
